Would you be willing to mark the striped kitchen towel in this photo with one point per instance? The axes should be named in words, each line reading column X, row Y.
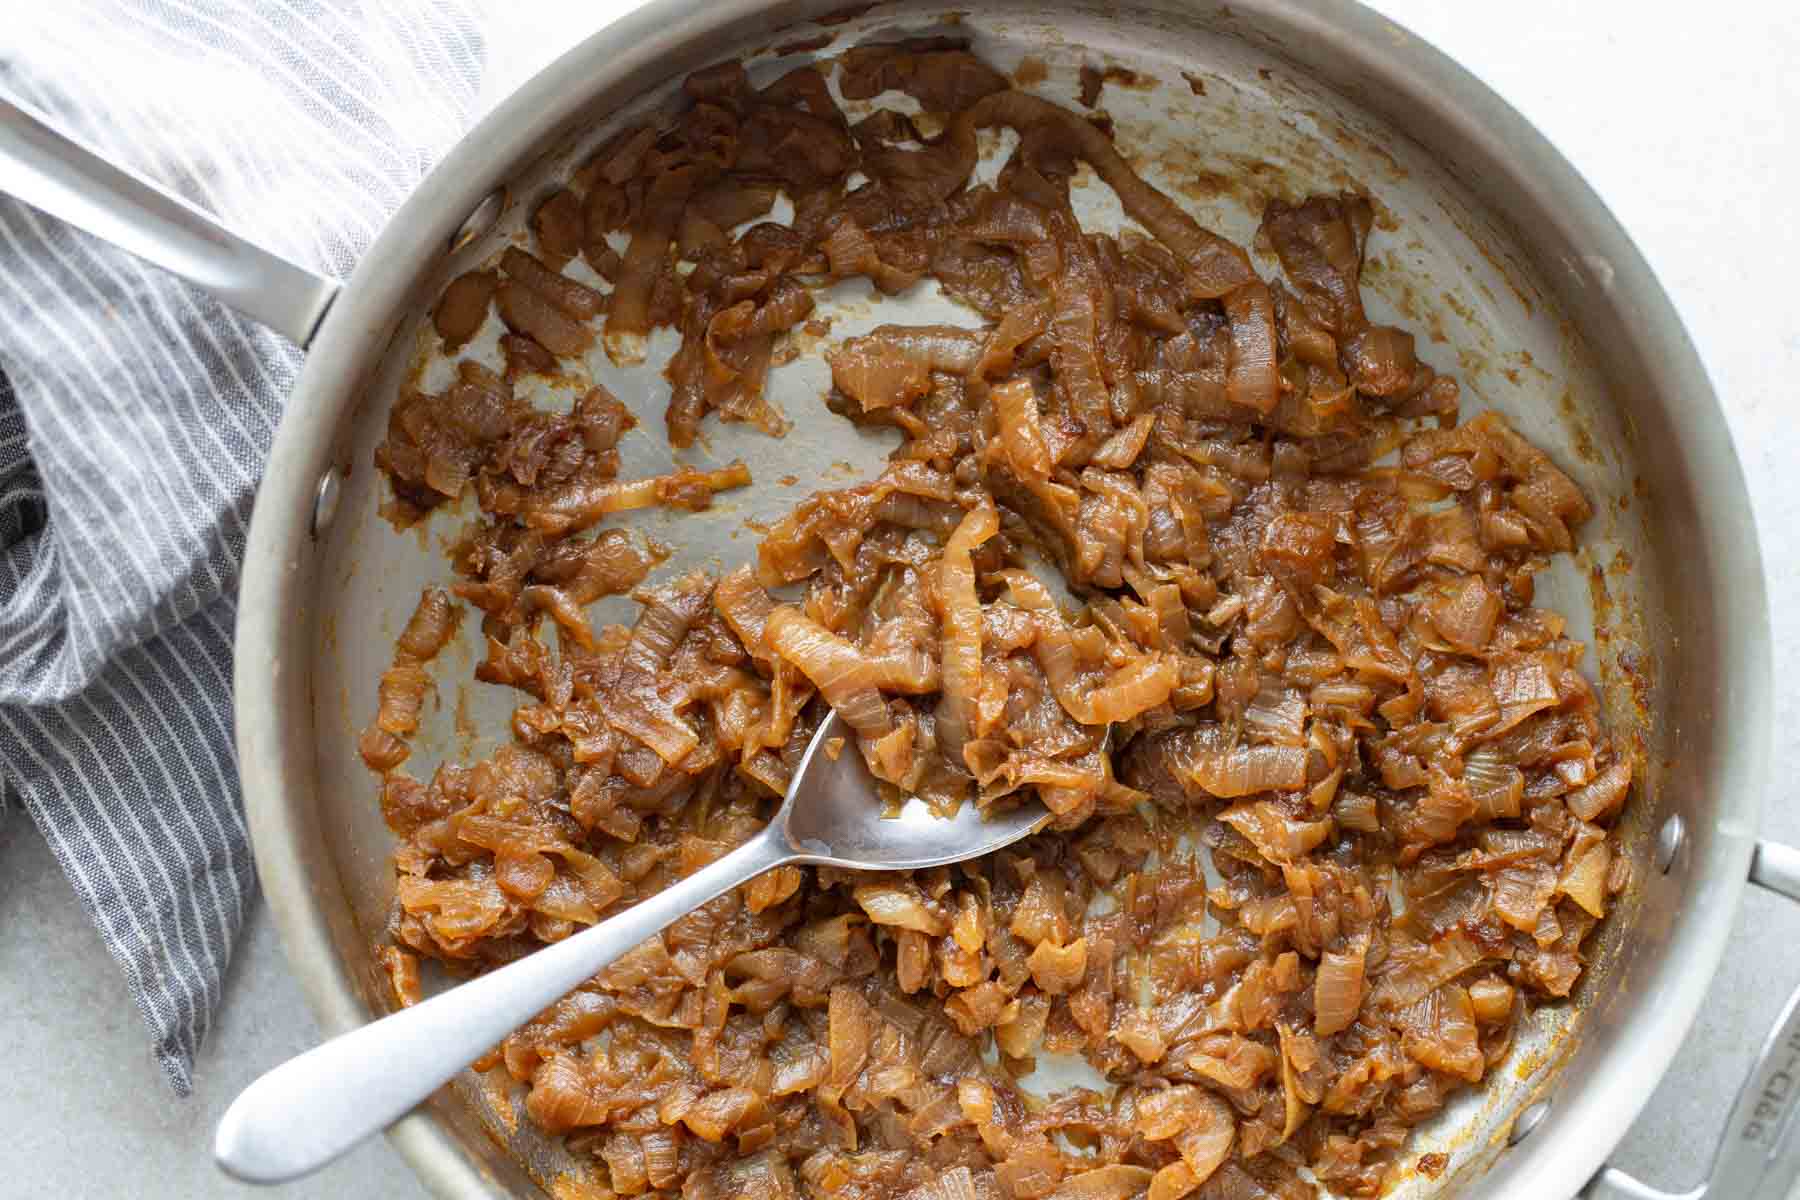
column 139, row 414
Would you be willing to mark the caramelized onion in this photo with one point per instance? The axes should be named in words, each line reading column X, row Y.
column 1324, row 673
column 962, row 629
column 843, row 676
column 1338, row 988
column 582, row 503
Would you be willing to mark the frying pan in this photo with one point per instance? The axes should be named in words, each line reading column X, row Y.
column 1514, row 273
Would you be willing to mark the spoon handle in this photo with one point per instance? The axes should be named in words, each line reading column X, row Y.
column 310, row 1109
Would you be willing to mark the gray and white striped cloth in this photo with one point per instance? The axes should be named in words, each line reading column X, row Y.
column 139, row 414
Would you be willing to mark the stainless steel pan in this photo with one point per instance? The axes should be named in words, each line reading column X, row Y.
column 1527, row 289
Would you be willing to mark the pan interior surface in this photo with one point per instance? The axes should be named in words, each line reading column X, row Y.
column 1224, row 117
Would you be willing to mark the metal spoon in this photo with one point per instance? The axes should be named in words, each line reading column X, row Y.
column 308, row 1111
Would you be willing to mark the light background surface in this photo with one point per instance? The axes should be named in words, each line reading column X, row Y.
column 1683, row 119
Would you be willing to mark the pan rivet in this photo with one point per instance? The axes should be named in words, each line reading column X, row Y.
column 479, row 221
column 1528, row 1121
column 1668, row 843
column 325, row 502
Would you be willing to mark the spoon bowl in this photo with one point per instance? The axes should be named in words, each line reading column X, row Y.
column 313, row 1108
column 833, row 816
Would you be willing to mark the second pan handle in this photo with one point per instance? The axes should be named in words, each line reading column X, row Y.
column 58, row 175
column 1759, row 1157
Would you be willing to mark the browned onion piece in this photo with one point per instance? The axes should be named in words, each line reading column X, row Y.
column 844, row 677
column 1466, row 614
column 1338, row 988
column 1136, row 687
column 1439, row 1031
column 901, row 905
column 1492, row 1000
column 1016, row 412
column 1584, row 877
column 1117, row 1182
column 852, row 252
column 628, row 314
column 560, row 227
column 1412, row 972
column 746, row 608
column 1121, row 450
column 463, row 307
column 1246, row 770
column 730, row 203
column 1017, row 327
column 1320, row 244
column 582, row 503
column 575, row 300
column 962, row 630
column 525, row 357
column 401, row 693
column 942, row 78
column 892, row 365
column 429, row 629
column 527, row 312
column 1278, row 837
column 639, row 703
column 1601, row 798
column 1250, row 378
column 735, row 352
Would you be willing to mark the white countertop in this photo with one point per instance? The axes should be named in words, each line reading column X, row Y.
column 1685, row 119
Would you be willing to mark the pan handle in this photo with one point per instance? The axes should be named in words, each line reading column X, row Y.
column 1759, row 1158
column 58, row 175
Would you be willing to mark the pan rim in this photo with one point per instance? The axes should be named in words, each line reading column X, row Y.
column 271, row 660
